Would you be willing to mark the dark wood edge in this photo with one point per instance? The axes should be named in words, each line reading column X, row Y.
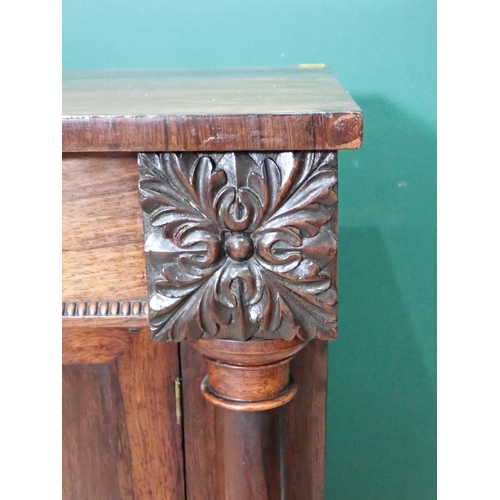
column 305, row 132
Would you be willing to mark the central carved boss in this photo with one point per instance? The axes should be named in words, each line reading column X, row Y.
column 240, row 245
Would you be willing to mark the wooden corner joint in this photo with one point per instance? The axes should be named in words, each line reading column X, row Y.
column 241, row 259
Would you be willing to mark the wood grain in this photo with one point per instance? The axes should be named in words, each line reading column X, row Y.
column 94, row 345
column 121, row 439
column 134, row 322
column 304, row 426
column 147, row 382
column 103, row 256
column 96, row 451
column 248, row 376
column 259, row 109
column 250, row 455
column 199, row 428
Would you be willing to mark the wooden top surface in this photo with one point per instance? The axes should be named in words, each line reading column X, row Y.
column 208, row 110
column 204, row 92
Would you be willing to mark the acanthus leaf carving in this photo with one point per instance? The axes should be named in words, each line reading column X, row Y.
column 240, row 245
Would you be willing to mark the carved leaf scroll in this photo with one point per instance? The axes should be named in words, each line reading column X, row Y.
column 240, row 245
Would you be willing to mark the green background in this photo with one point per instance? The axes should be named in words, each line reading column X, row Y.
column 381, row 441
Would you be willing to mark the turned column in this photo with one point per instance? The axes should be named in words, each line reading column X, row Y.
column 249, row 382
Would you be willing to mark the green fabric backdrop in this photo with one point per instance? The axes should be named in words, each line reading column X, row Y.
column 381, row 441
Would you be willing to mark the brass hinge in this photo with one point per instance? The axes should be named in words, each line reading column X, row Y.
column 178, row 401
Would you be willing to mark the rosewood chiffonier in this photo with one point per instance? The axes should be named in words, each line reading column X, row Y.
column 199, row 280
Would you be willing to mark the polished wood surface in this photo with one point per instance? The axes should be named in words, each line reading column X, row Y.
column 148, row 374
column 102, row 241
column 121, row 438
column 208, row 110
column 220, row 91
column 249, row 376
column 199, row 428
column 96, row 451
column 250, row 455
column 248, row 382
column 305, row 427
column 94, row 345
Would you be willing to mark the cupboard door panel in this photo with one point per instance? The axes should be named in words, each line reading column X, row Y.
column 121, row 438
column 96, row 450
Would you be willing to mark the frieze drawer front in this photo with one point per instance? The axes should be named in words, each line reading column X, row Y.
column 200, row 243
column 103, row 257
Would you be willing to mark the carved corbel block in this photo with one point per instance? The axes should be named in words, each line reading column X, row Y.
column 241, row 245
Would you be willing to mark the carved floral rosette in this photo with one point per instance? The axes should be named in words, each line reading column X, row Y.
column 240, row 245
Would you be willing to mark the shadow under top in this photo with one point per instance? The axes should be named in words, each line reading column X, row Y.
column 247, row 109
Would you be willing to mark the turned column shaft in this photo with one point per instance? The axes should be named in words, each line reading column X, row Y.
column 249, row 383
column 250, row 454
